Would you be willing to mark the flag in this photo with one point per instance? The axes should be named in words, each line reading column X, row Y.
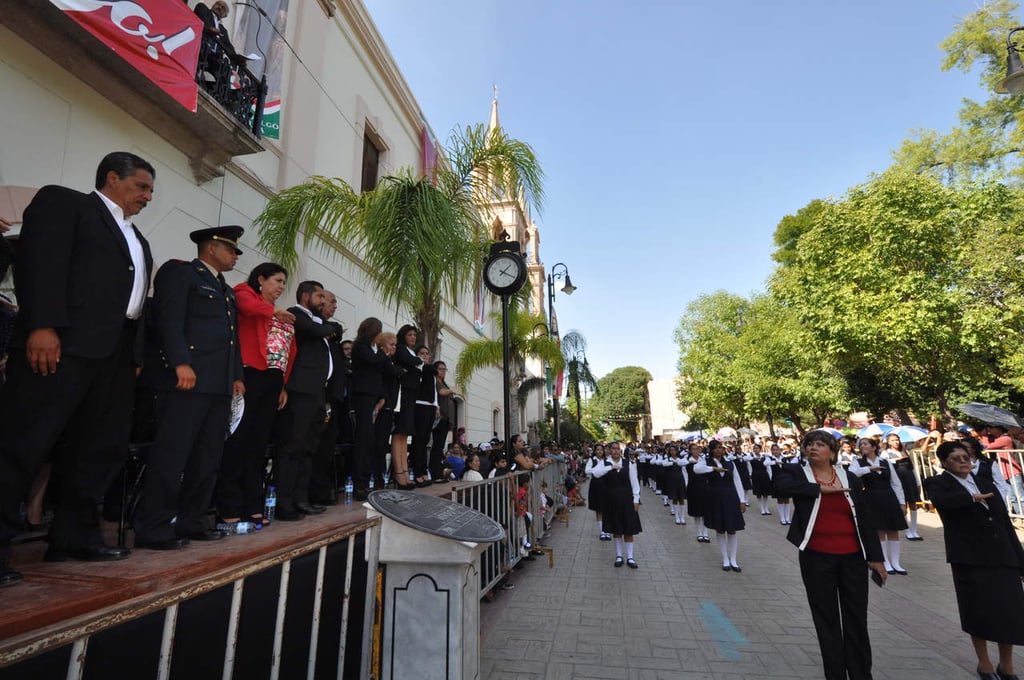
column 272, row 119
column 159, row 38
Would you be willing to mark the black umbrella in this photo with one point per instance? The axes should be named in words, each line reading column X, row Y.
column 993, row 415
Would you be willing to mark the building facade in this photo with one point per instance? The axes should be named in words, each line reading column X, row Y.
column 343, row 110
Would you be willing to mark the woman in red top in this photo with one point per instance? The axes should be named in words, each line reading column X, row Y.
column 266, row 337
column 830, row 526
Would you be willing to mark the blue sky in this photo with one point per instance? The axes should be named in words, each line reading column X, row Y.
column 676, row 134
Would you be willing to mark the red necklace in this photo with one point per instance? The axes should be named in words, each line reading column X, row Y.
column 829, row 482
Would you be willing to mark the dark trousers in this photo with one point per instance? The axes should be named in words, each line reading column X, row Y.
column 437, row 444
column 382, row 441
column 89, row 401
column 423, row 423
column 293, row 462
column 837, row 592
column 363, row 438
column 240, row 490
column 182, row 465
column 323, row 486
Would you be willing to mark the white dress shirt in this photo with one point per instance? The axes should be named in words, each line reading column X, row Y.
column 327, row 344
column 140, row 283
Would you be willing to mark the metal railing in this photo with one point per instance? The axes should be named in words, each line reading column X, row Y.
column 232, row 84
column 496, row 498
column 317, row 589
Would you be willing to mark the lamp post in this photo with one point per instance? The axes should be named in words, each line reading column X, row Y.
column 567, row 288
column 1013, row 83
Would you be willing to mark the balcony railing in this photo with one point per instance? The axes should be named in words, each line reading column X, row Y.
column 228, row 80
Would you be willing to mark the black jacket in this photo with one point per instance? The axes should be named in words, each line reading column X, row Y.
column 312, row 355
column 369, row 369
column 974, row 534
column 74, row 274
column 195, row 322
column 795, row 480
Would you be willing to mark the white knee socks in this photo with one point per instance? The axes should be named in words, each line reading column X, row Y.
column 723, row 545
column 618, row 546
column 894, row 554
column 629, row 550
column 912, row 532
column 733, row 541
column 885, row 555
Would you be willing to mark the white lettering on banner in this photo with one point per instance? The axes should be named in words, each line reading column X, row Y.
column 122, row 10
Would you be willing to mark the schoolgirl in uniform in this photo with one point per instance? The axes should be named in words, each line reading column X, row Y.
column 621, row 502
column 761, row 478
column 696, row 493
column 595, row 494
column 675, row 483
column 904, row 467
column 726, row 501
column 782, row 502
column 643, row 467
column 884, row 494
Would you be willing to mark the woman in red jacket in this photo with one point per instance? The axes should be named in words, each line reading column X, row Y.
column 265, row 335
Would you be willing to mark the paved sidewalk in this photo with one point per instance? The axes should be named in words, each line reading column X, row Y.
column 680, row 617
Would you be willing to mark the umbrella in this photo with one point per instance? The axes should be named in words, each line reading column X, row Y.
column 993, row 415
column 875, row 430
column 747, row 430
column 909, row 433
column 726, row 434
column 832, row 431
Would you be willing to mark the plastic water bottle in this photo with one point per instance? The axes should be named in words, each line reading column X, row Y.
column 412, row 477
column 348, row 491
column 244, row 528
column 387, row 479
column 232, row 528
column 270, row 507
column 371, row 485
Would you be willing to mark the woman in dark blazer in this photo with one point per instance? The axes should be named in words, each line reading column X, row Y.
column 831, row 527
column 405, row 410
column 986, row 558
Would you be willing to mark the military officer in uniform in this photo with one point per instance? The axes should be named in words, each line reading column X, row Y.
column 196, row 369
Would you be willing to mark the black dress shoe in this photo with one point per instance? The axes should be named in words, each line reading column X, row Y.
column 288, row 516
column 423, row 483
column 93, row 553
column 166, row 544
column 309, row 509
column 988, row 676
column 206, row 536
column 618, row 561
column 1005, row 676
column 736, row 569
column 405, row 487
column 726, row 567
column 8, row 577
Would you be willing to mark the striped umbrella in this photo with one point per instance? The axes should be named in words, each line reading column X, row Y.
column 909, row 433
column 875, row 430
column 832, row 431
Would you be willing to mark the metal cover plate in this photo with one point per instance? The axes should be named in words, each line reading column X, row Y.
column 437, row 516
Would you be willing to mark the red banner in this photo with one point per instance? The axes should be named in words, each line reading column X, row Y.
column 157, row 37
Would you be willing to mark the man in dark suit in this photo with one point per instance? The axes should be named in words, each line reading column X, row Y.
column 195, row 367
column 304, row 413
column 81, row 281
column 323, row 478
column 213, row 24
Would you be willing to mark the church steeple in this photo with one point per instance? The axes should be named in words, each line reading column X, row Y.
column 493, row 124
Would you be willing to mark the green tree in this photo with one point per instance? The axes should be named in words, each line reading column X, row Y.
column 622, row 394
column 421, row 242
column 577, row 369
column 523, row 344
column 879, row 282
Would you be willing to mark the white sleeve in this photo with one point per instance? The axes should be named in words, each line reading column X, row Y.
column 702, row 468
column 896, row 484
column 634, row 483
column 686, row 475
column 740, row 493
column 601, row 470
column 768, row 469
column 857, row 469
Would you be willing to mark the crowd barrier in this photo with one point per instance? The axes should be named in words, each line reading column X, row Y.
column 496, row 498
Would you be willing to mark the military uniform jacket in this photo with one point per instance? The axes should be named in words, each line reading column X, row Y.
column 195, row 322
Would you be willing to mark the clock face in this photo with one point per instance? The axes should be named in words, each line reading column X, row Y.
column 505, row 273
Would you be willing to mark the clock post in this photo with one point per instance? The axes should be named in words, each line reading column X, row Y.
column 504, row 275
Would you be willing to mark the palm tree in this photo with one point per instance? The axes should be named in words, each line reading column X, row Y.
column 421, row 240
column 574, row 351
column 523, row 344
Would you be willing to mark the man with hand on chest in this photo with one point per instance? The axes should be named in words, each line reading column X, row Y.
column 195, row 369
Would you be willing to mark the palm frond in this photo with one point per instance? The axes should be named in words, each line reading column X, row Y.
column 527, row 387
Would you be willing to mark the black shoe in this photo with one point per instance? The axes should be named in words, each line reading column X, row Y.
column 8, row 577
column 1005, row 676
column 901, row 572
column 93, row 553
column 166, row 544
column 405, row 487
column 309, row 509
column 988, row 676
column 631, row 563
column 890, row 571
column 726, row 567
column 288, row 516
column 206, row 536
column 915, row 538
column 422, row 483
column 736, row 569
column 618, row 561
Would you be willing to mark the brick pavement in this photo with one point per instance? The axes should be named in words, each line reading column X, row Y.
column 680, row 617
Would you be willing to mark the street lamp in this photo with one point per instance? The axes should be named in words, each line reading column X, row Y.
column 1013, row 83
column 567, row 288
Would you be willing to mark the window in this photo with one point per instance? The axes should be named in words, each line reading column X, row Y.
column 371, row 163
